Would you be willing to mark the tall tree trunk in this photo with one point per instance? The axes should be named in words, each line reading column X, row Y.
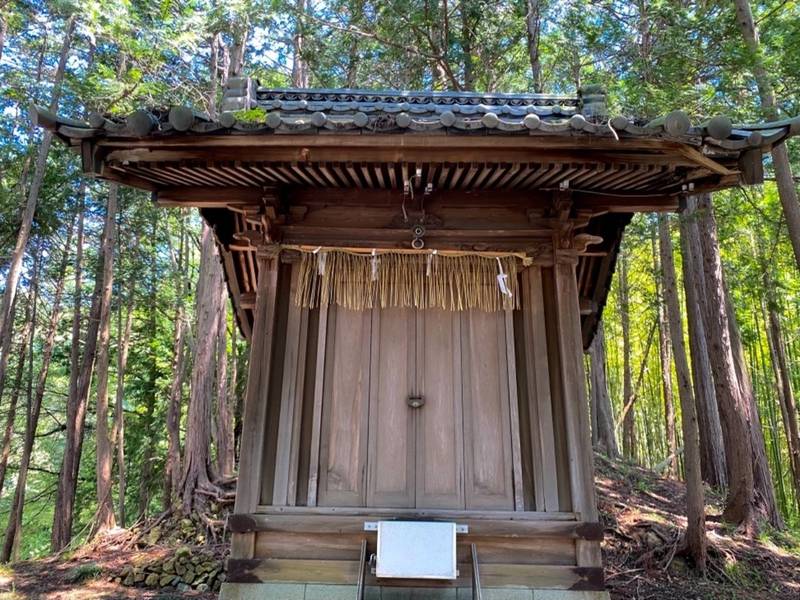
column 764, row 499
column 224, row 420
column 172, row 470
column 104, row 516
column 77, row 298
column 601, row 402
column 3, row 32
column 733, row 405
column 695, row 539
column 35, row 406
column 233, row 397
column 15, row 266
column 22, row 354
column 468, row 18
column 715, row 470
column 783, row 383
column 628, row 424
column 149, row 454
column 76, row 417
column 665, row 357
column 196, row 463
column 5, row 348
column 299, row 64
column 780, row 156
column 118, row 434
column 533, row 26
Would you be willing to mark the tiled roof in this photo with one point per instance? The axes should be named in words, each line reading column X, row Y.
column 248, row 108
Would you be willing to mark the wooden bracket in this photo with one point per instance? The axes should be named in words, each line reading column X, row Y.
column 581, row 241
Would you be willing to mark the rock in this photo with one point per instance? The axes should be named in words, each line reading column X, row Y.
column 168, row 566
column 183, row 551
column 180, row 569
column 653, row 540
column 153, row 536
column 680, row 567
column 202, row 587
column 128, row 579
column 189, row 577
column 182, row 587
column 138, row 576
column 165, row 580
column 151, row 580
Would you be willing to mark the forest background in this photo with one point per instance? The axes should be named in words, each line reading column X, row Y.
column 115, row 330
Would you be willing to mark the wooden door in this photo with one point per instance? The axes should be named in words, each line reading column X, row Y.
column 343, row 437
column 454, row 451
column 440, row 432
column 488, row 462
column 391, row 420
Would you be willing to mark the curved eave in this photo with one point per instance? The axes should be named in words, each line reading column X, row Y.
column 157, row 125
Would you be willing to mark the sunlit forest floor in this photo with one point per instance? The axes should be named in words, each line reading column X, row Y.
column 643, row 515
column 641, row 512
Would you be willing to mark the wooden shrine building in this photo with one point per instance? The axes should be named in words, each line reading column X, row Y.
column 418, row 275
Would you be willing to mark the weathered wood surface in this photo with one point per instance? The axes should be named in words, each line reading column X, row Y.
column 346, row 572
column 291, row 401
column 392, row 425
column 440, row 433
column 343, row 441
column 336, row 546
column 575, row 404
column 255, row 409
column 487, row 423
column 344, row 524
column 421, row 513
column 538, row 391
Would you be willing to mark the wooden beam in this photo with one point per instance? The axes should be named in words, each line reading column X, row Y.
column 513, row 400
column 541, row 408
column 210, row 197
column 697, row 157
column 417, row 513
column 316, row 415
column 343, row 524
column 291, row 401
column 347, row 572
column 572, row 377
column 255, row 409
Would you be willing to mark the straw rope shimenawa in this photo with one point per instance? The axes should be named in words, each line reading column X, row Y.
column 358, row 279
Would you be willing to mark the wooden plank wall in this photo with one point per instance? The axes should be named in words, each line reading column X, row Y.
column 289, row 397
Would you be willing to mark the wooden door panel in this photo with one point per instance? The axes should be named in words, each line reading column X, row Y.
column 440, row 444
column 343, row 440
column 487, row 423
column 391, row 420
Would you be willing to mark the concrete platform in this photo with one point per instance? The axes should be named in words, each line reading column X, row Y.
column 312, row 591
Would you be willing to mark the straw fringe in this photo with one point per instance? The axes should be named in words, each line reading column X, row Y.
column 455, row 282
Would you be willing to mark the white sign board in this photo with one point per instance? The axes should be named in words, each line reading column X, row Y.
column 416, row 550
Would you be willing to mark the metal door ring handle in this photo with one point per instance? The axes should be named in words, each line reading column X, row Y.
column 416, row 401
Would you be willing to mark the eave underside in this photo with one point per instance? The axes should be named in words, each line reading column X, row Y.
column 262, row 187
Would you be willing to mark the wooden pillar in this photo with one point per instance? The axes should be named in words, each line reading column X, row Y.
column 543, row 445
column 248, row 487
column 576, row 411
column 291, row 403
